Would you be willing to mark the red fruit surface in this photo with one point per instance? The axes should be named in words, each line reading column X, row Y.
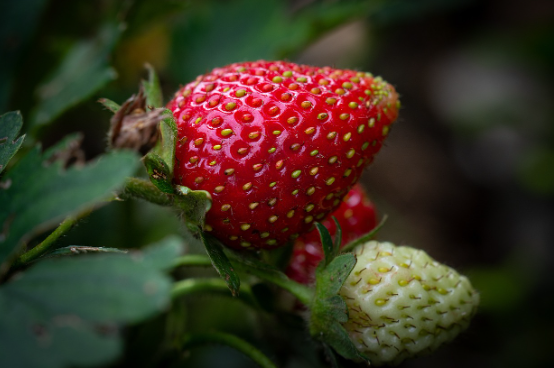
column 277, row 145
column 356, row 217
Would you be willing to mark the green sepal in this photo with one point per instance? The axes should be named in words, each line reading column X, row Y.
column 152, row 89
column 221, row 263
column 338, row 235
column 329, row 310
column 193, row 204
column 364, row 238
column 327, row 243
column 10, row 125
column 160, row 160
column 110, row 105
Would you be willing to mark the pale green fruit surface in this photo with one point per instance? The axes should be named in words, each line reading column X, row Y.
column 402, row 303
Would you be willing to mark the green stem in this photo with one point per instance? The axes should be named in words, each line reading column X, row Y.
column 302, row 292
column 193, row 260
column 364, row 238
column 233, row 341
column 49, row 242
column 212, row 285
column 143, row 189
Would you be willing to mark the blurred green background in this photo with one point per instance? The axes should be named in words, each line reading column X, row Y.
column 467, row 173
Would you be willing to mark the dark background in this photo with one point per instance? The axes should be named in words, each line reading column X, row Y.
column 467, row 173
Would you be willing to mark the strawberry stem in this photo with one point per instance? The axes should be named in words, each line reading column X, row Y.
column 211, row 285
column 233, row 341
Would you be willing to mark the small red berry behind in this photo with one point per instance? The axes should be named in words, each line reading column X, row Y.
column 277, row 145
column 356, row 217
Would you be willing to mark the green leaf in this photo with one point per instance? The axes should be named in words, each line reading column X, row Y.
column 162, row 255
column 221, row 263
column 152, row 89
column 36, row 196
column 67, row 311
column 73, row 250
column 10, row 125
column 82, row 72
column 327, row 243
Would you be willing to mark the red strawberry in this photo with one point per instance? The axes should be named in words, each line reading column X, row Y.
column 356, row 216
column 277, row 145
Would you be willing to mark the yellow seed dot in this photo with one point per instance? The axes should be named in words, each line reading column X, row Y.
column 330, row 181
column 193, row 159
column 347, row 172
column 322, row 116
column 347, row 85
column 380, row 302
column 208, row 227
column 295, row 192
column 247, row 186
column 257, row 167
column 385, row 130
column 308, row 219
column 245, row 227
column 310, row 130
column 351, row 153
column 212, row 163
column 290, row 213
column 272, row 149
column 344, row 116
column 330, row 101
column 361, row 129
column 240, row 93
column 373, row 281
column 329, row 196
column 352, row 105
column 198, row 141
column 219, row 188
column 314, row 152
column 264, row 235
column 426, row 287
column 226, row 132
column 383, row 269
column 315, row 91
column 309, row 207
column 301, row 79
column 272, row 201
column 226, row 207
column 404, row 265
column 272, row 219
column 333, row 159
column 229, row 171
column 314, row 170
column 442, row 291
column 292, row 120
column 230, row 106
column 371, row 123
column 272, row 184
column 253, row 135
column 198, row 120
column 279, row 164
column 277, row 79
column 245, row 244
column 217, row 147
column 276, row 132
column 360, row 162
column 233, row 237
column 331, row 135
column 347, row 136
column 296, row 174
column 199, row 180
column 340, row 91
column 403, row 282
column 310, row 191
column 271, row 242
column 365, row 145
column 306, row 104
column 287, row 74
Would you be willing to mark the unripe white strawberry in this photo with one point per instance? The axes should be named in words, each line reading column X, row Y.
column 402, row 303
